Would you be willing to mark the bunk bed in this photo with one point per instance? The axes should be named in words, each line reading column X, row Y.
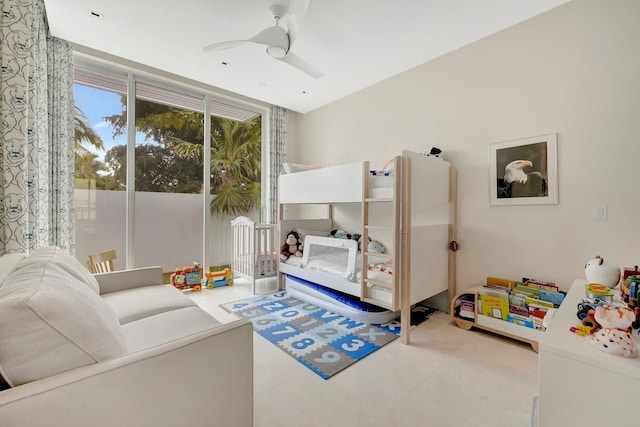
column 408, row 205
column 254, row 249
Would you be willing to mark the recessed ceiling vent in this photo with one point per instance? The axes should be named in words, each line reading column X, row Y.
column 95, row 15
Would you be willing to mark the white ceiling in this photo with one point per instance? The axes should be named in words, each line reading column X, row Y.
column 356, row 43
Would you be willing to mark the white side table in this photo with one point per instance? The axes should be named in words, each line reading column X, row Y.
column 580, row 385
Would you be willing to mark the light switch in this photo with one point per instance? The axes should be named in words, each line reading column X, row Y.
column 600, row 212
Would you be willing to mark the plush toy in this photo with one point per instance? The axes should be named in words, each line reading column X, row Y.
column 375, row 246
column 360, row 241
column 292, row 246
column 435, row 152
column 615, row 335
column 341, row 234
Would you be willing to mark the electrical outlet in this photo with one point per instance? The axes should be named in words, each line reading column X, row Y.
column 600, row 212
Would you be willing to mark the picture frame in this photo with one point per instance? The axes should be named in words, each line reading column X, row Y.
column 524, row 171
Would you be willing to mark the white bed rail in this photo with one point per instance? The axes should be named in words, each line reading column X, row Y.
column 254, row 249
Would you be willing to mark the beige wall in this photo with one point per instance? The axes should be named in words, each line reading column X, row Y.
column 574, row 71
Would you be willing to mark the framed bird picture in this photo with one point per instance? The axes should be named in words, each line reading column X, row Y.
column 524, row 171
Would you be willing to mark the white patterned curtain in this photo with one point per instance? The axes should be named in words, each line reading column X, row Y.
column 36, row 139
column 277, row 156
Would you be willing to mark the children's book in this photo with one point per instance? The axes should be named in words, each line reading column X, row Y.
column 494, row 306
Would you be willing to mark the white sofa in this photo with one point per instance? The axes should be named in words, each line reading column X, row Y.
column 115, row 349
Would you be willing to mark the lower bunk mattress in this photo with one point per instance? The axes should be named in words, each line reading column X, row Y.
column 338, row 302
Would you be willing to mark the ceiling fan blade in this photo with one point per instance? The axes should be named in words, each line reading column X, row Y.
column 269, row 37
column 295, row 16
column 272, row 36
column 223, row 45
column 302, row 65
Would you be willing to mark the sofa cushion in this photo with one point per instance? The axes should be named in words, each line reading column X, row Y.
column 137, row 303
column 165, row 327
column 8, row 263
column 66, row 262
column 51, row 321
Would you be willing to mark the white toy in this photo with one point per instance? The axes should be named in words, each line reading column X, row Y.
column 375, row 246
column 601, row 272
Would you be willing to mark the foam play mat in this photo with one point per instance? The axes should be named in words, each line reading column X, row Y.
column 322, row 340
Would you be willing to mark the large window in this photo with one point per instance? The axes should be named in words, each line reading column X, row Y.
column 140, row 187
column 100, row 201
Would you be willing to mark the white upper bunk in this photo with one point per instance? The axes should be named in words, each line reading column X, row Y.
column 345, row 183
column 334, row 184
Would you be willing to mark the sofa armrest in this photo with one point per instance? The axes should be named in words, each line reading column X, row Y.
column 126, row 279
column 202, row 379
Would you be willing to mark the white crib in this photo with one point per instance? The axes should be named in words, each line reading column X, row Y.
column 255, row 250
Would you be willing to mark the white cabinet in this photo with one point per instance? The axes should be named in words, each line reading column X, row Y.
column 580, row 385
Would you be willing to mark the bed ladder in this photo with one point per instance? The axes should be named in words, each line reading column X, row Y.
column 380, row 293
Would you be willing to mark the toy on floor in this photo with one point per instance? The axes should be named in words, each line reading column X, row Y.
column 188, row 278
column 214, row 279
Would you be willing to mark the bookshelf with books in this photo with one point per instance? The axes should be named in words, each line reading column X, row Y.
column 513, row 309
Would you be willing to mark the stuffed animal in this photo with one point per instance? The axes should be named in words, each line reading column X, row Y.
column 360, row 241
column 435, row 152
column 375, row 246
column 292, row 246
column 340, row 234
column 615, row 335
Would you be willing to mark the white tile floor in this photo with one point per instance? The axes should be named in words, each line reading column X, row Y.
column 446, row 377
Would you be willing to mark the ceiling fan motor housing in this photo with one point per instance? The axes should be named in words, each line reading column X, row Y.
column 278, row 41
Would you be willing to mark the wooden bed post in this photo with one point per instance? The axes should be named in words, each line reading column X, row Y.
column 453, row 244
column 405, row 270
column 279, row 279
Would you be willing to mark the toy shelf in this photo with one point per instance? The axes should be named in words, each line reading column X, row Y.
column 497, row 326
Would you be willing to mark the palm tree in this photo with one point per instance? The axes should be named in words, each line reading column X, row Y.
column 87, row 165
column 235, row 165
column 83, row 132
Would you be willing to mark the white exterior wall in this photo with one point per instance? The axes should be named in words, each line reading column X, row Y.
column 170, row 226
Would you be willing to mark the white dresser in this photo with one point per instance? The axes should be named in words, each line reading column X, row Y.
column 580, row 385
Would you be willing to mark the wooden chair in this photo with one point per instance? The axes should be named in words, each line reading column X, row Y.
column 102, row 262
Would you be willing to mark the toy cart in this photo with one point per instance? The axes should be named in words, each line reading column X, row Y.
column 188, row 278
column 214, row 279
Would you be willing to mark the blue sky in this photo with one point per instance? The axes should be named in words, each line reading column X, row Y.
column 97, row 104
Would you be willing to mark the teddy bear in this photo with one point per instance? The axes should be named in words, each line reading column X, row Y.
column 292, row 246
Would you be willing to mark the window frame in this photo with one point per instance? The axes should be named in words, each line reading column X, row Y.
column 109, row 75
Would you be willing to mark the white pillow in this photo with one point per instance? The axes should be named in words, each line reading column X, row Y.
column 52, row 322
column 68, row 263
column 295, row 167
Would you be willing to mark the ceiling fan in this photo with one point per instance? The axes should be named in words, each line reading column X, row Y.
column 277, row 39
